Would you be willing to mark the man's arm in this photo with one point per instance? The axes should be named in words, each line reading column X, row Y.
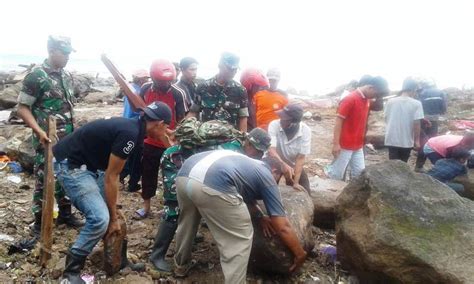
column 286, row 169
column 284, row 230
column 24, row 113
column 300, row 159
column 111, row 181
column 336, row 146
column 243, row 124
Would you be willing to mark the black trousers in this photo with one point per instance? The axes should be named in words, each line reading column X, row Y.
column 399, row 153
column 150, row 167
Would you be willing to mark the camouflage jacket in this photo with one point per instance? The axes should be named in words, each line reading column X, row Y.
column 49, row 92
column 227, row 103
column 174, row 157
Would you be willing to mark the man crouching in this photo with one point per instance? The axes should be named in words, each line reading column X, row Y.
column 88, row 164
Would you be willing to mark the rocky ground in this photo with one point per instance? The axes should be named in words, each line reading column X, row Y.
column 15, row 215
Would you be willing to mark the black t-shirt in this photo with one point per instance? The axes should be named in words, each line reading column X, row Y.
column 92, row 144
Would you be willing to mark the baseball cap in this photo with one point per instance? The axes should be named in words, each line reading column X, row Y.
column 230, row 60
column 61, row 43
column 140, row 73
column 291, row 111
column 158, row 111
column 259, row 138
column 273, row 74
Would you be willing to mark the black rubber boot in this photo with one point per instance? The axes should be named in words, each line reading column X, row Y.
column 163, row 239
column 134, row 266
column 36, row 228
column 72, row 271
column 65, row 216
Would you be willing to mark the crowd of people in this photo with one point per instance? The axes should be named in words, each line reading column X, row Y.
column 220, row 145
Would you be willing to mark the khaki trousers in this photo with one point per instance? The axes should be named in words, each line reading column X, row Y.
column 228, row 219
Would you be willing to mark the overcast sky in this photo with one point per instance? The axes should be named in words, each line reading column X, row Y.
column 318, row 45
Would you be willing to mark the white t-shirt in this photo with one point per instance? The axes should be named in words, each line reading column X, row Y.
column 289, row 149
column 400, row 114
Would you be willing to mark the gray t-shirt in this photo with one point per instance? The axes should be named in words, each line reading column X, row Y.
column 233, row 173
column 400, row 115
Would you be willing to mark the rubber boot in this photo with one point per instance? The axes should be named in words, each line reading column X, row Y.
column 65, row 216
column 163, row 239
column 134, row 266
column 72, row 271
column 36, row 228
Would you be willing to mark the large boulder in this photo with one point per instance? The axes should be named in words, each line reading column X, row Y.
column 397, row 226
column 96, row 97
column 324, row 193
column 18, row 145
column 9, row 96
column 271, row 254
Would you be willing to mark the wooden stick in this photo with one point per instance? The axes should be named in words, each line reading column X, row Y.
column 135, row 101
column 48, row 197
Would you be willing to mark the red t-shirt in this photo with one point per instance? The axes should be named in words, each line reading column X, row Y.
column 173, row 99
column 354, row 109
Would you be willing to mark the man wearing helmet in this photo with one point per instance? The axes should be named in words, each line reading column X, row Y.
column 221, row 97
column 253, row 80
column 163, row 74
column 194, row 137
column 88, row 164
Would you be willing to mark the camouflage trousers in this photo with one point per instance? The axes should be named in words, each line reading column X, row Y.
column 171, row 207
column 38, row 172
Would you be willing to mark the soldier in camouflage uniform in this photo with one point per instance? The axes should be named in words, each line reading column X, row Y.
column 194, row 137
column 47, row 91
column 222, row 98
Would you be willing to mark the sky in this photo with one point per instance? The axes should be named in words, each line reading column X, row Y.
column 317, row 45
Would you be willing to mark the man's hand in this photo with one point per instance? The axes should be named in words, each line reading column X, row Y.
column 114, row 228
column 267, row 227
column 43, row 137
column 288, row 172
column 298, row 261
column 298, row 187
column 336, row 150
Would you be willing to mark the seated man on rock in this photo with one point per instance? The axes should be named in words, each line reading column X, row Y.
column 194, row 137
column 223, row 187
column 445, row 170
column 88, row 164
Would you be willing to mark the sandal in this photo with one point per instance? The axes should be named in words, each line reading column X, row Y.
column 140, row 214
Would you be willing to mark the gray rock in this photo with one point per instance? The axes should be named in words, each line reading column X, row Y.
column 324, row 193
column 397, row 226
column 96, row 97
column 271, row 254
column 9, row 96
column 19, row 145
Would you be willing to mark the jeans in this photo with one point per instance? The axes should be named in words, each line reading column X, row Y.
column 85, row 189
column 459, row 188
column 352, row 158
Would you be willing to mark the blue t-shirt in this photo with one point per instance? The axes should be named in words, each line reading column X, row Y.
column 127, row 107
column 233, row 173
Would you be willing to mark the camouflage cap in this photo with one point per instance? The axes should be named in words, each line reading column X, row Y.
column 230, row 60
column 259, row 138
column 186, row 132
column 61, row 43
